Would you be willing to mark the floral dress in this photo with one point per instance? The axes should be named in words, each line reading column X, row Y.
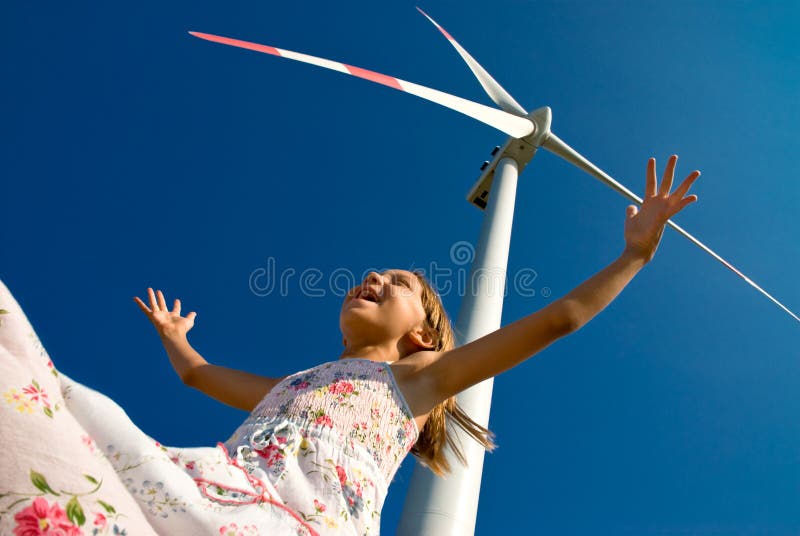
column 329, row 440
column 315, row 457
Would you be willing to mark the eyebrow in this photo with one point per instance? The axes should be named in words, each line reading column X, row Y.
column 400, row 275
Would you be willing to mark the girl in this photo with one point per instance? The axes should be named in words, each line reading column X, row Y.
column 320, row 446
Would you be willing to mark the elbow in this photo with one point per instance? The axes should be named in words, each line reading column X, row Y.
column 189, row 377
column 570, row 319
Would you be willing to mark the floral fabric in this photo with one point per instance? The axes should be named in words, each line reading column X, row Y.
column 53, row 478
column 315, row 457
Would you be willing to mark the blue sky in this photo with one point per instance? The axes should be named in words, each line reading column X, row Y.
column 135, row 155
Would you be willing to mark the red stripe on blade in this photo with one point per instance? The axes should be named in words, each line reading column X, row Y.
column 237, row 43
column 373, row 76
column 447, row 35
column 444, row 32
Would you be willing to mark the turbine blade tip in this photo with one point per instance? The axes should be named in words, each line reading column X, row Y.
column 425, row 14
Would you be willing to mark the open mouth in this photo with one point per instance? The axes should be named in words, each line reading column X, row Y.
column 367, row 295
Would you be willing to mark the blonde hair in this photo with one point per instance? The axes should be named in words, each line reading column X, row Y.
column 438, row 430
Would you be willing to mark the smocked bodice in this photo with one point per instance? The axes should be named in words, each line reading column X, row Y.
column 356, row 402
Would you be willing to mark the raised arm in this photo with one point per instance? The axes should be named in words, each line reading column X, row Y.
column 236, row 388
column 447, row 373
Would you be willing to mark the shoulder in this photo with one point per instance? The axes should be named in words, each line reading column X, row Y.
column 416, row 366
column 413, row 378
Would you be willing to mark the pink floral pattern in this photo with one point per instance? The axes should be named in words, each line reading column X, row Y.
column 44, row 519
column 31, row 398
column 232, row 529
column 357, row 397
column 330, row 440
column 314, row 458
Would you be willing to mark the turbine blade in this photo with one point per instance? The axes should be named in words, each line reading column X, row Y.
column 556, row 146
column 515, row 126
column 559, row 148
column 495, row 91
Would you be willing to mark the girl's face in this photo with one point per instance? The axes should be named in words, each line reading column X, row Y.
column 383, row 308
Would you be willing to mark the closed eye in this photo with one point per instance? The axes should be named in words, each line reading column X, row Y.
column 403, row 281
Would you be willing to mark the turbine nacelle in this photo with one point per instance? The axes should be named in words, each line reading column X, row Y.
column 522, row 150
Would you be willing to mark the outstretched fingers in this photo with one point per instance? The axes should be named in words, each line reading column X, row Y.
column 669, row 172
column 157, row 303
column 152, row 296
column 162, row 303
column 682, row 203
column 146, row 310
column 674, row 201
column 650, row 186
column 679, row 201
column 686, row 184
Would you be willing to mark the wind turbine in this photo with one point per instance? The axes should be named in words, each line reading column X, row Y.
column 436, row 506
column 527, row 131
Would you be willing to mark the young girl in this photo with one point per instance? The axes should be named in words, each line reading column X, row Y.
column 320, row 446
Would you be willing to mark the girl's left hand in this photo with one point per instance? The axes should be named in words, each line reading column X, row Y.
column 644, row 226
column 167, row 323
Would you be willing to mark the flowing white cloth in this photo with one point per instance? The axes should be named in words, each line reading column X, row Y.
column 315, row 457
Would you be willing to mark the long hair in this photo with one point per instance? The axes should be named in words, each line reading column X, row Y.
column 439, row 428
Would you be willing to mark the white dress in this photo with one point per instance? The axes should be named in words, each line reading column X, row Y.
column 316, row 456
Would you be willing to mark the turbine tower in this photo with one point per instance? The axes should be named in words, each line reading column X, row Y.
column 448, row 507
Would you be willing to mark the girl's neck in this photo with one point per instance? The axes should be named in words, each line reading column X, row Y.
column 374, row 353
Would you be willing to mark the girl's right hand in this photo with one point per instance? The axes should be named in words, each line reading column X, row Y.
column 644, row 227
column 168, row 323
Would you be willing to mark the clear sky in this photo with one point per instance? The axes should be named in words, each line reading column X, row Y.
column 136, row 155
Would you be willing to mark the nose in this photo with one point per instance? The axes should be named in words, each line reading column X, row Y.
column 371, row 278
column 374, row 277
